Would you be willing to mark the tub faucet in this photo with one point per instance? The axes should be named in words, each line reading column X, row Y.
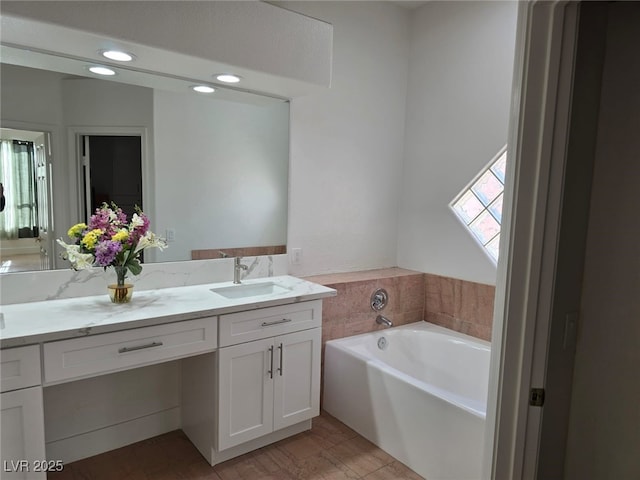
column 382, row 320
column 237, row 267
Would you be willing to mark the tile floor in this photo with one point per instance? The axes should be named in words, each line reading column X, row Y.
column 329, row 451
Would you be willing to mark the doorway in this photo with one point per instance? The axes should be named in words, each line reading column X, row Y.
column 112, row 172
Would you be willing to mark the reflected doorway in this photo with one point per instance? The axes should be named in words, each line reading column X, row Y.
column 112, row 172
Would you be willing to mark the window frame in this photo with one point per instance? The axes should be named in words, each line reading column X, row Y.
column 468, row 189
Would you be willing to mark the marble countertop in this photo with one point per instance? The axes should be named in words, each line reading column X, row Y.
column 45, row 321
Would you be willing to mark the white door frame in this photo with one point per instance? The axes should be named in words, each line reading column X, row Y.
column 75, row 164
column 538, row 135
column 55, row 172
column 45, row 225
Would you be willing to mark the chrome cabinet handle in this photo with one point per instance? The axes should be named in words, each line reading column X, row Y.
column 139, row 347
column 281, row 368
column 277, row 322
column 270, row 371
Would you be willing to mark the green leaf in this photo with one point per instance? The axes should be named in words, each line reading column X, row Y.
column 135, row 267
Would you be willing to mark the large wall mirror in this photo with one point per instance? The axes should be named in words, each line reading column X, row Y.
column 211, row 171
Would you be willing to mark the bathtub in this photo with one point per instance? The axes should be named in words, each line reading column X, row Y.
column 418, row 391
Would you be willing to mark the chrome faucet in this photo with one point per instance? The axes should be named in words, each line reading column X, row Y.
column 237, row 267
column 382, row 320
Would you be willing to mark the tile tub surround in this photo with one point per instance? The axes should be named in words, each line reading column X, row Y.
column 350, row 313
column 460, row 305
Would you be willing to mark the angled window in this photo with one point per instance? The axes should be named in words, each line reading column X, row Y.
column 479, row 205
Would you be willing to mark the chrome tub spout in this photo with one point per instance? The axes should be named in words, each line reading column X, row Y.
column 382, row 320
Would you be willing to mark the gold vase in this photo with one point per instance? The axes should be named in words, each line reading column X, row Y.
column 120, row 293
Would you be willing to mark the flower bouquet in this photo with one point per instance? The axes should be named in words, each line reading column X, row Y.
column 110, row 241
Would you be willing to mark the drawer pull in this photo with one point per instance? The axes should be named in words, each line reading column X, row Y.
column 139, row 347
column 277, row 322
column 270, row 371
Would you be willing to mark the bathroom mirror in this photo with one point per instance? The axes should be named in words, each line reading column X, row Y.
column 213, row 168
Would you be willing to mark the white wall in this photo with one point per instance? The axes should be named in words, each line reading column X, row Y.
column 95, row 102
column 220, row 173
column 347, row 142
column 31, row 98
column 460, row 72
column 351, row 207
column 604, row 434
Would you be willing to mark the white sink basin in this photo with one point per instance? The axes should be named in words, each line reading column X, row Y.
column 244, row 290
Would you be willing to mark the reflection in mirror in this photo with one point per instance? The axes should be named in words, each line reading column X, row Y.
column 24, row 213
column 211, row 173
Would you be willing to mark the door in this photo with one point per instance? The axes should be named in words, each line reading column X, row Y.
column 297, row 377
column 22, row 433
column 42, row 148
column 541, row 269
column 112, row 171
column 245, row 407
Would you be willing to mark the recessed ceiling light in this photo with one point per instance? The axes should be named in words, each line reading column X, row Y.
column 101, row 70
column 117, row 55
column 203, row 89
column 228, row 78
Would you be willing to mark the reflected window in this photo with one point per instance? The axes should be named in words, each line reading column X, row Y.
column 18, row 218
column 479, row 206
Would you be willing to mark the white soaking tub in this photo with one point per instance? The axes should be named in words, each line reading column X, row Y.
column 420, row 394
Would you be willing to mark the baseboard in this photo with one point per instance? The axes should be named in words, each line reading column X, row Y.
column 114, row 436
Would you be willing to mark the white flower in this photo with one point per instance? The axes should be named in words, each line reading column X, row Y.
column 136, row 221
column 79, row 261
column 149, row 240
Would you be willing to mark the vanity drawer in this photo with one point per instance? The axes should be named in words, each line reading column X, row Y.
column 110, row 352
column 267, row 322
column 20, row 368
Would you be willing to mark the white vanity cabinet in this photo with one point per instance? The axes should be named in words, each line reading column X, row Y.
column 21, row 418
column 240, row 372
column 271, row 381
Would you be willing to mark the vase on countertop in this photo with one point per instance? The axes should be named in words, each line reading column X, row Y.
column 120, row 292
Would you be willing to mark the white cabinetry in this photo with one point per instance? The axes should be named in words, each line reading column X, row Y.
column 271, row 383
column 21, row 416
column 111, row 352
column 241, row 380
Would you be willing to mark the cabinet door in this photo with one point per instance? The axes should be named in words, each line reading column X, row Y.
column 245, row 407
column 297, row 377
column 22, row 433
